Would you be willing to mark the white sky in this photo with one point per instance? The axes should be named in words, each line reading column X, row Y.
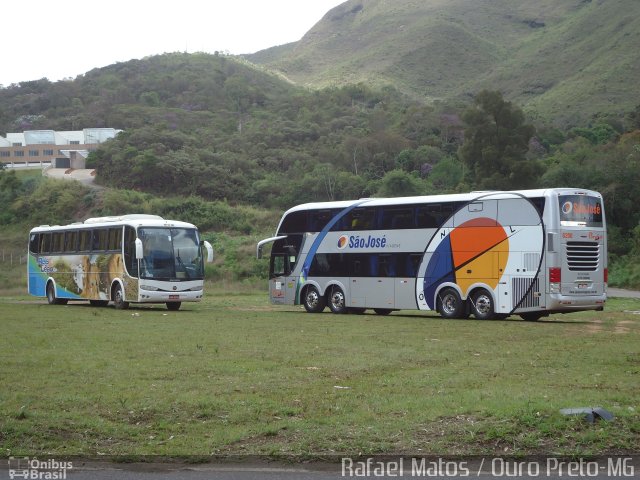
column 66, row 38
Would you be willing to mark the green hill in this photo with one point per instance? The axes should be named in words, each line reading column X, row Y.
column 563, row 60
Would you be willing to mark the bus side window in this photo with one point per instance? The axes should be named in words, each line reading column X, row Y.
column 100, row 240
column 114, row 239
column 397, row 218
column 34, row 243
column 71, row 241
column 84, row 244
column 277, row 266
column 58, row 242
column 45, row 242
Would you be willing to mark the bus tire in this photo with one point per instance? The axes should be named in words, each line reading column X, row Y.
column 51, row 296
column 449, row 304
column 531, row 316
column 312, row 300
column 382, row 311
column 356, row 310
column 117, row 296
column 482, row 305
column 173, row 306
column 337, row 300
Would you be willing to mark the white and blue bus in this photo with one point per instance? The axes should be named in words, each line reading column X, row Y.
column 491, row 254
column 130, row 258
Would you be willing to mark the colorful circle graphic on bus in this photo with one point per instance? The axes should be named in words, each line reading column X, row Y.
column 482, row 244
column 342, row 241
column 476, row 251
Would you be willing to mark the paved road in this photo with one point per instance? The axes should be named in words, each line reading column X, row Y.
column 620, row 292
column 482, row 468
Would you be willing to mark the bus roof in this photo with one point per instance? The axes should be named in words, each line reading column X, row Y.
column 454, row 197
column 134, row 220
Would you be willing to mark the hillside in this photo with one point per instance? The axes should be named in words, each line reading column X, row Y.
column 565, row 61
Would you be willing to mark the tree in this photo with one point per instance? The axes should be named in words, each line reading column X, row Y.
column 398, row 183
column 496, row 141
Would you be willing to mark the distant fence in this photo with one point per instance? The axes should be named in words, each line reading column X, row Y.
column 12, row 257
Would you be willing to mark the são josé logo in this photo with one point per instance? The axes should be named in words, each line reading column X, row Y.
column 567, row 207
column 356, row 241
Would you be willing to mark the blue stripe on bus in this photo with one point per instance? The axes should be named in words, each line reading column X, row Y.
column 316, row 244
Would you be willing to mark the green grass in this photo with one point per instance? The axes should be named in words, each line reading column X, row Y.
column 235, row 375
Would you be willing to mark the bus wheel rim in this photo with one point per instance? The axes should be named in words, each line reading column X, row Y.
column 337, row 299
column 312, row 298
column 449, row 303
column 483, row 304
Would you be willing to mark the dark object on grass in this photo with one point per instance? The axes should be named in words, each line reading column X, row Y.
column 590, row 414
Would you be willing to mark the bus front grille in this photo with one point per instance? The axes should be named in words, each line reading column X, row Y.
column 583, row 256
column 526, row 292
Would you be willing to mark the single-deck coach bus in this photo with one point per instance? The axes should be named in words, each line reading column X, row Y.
column 491, row 254
column 131, row 258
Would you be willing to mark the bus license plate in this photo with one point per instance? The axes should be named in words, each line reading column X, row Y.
column 583, row 285
column 174, row 297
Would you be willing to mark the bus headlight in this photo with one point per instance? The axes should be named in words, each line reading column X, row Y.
column 149, row 288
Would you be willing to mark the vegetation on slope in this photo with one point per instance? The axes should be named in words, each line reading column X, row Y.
column 563, row 60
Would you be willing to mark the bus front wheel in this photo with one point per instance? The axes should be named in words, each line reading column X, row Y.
column 312, row 300
column 51, row 296
column 449, row 304
column 337, row 301
column 118, row 298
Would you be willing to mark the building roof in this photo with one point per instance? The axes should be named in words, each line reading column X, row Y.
column 86, row 136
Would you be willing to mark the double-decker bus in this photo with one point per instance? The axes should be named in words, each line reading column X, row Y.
column 130, row 258
column 491, row 254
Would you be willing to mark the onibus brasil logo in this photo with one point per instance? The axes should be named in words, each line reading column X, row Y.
column 32, row 468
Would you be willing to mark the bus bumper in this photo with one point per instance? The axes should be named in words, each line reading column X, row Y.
column 164, row 297
column 560, row 303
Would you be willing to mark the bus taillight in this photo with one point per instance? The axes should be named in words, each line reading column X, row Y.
column 555, row 277
column 606, row 275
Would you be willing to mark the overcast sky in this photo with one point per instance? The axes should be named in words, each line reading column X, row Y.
column 66, row 38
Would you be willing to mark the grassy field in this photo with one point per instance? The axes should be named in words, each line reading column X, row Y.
column 235, row 375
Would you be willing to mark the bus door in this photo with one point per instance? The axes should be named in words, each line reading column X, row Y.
column 372, row 281
column 284, row 257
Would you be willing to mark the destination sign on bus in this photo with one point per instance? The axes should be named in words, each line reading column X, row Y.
column 580, row 210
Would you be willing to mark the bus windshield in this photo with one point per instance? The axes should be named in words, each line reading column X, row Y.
column 580, row 211
column 171, row 254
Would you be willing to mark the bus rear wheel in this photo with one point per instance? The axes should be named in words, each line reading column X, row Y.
column 482, row 304
column 118, row 298
column 173, row 306
column 337, row 300
column 312, row 300
column 449, row 304
column 531, row 316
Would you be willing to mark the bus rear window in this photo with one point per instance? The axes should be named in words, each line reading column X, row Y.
column 580, row 210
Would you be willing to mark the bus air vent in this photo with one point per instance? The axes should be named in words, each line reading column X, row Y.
column 523, row 296
column 583, row 256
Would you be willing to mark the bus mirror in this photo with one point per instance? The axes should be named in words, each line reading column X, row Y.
column 209, row 248
column 139, row 250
